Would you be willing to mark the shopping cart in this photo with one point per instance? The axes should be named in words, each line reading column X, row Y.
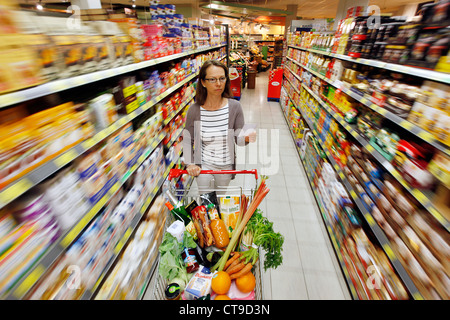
column 158, row 284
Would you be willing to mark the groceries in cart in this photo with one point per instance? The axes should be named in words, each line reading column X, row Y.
column 212, row 249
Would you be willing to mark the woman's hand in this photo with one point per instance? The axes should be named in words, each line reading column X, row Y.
column 251, row 137
column 193, row 170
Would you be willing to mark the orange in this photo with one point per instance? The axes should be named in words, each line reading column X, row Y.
column 246, row 283
column 222, row 297
column 221, row 282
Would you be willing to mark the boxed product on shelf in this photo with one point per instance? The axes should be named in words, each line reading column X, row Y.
column 130, row 27
column 19, row 65
column 431, row 110
column 39, row 138
column 22, row 253
column 130, row 276
column 393, row 211
column 92, row 251
column 357, row 251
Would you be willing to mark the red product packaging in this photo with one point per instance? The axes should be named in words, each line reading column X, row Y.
column 200, row 213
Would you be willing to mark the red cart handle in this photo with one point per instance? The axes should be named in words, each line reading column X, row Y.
column 175, row 173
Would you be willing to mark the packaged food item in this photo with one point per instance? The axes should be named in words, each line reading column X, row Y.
column 173, row 291
column 200, row 284
column 220, row 233
column 200, row 217
column 229, row 207
column 104, row 111
column 177, row 229
column 190, row 260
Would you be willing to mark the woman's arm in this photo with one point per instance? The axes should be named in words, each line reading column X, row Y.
column 238, row 125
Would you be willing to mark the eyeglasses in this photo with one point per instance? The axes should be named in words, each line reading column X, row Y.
column 214, row 80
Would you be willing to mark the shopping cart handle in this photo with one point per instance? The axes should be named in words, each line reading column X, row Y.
column 175, row 173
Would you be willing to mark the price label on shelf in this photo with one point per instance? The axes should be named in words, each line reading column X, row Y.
column 14, row 190
column 147, row 203
column 122, row 241
column 370, row 220
column 89, row 143
column 427, row 136
column 29, row 281
column 387, row 248
column 65, row 158
column 406, row 124
column 438, row 216
column 420, row 196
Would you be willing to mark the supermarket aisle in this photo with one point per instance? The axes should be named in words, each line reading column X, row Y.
column 310, row 269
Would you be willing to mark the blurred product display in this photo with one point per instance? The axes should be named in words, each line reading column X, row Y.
column 80, row 179
column 368, row 109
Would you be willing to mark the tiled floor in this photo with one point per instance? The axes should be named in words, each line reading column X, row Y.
column 310, row 269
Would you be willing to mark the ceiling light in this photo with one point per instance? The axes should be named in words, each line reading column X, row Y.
column 39, row 6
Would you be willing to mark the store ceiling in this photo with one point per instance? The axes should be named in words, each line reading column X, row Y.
column 268, row 11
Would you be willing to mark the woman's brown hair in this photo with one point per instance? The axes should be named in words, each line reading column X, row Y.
column 201, row 93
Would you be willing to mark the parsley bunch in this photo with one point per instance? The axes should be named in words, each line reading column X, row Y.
column 265, row 237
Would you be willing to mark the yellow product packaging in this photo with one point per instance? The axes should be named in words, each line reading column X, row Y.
column 443, row 64
column 440, row 167
column 229, row 210
column 18, row 67
column 104, row 58
column 442, row 128
column 89, row 53
column 46, row 55
column 48, row 116
column 70, row 54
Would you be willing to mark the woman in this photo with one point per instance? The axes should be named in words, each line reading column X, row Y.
column 213, row 125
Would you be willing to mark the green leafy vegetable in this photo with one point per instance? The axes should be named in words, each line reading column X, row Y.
column 188, row 241
column 171, row 265
column 265, row 237
column 250, row 255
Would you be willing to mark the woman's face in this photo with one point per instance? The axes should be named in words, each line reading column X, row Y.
column 215, row 80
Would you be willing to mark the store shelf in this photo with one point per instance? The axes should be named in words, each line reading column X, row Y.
column 412, row 128
column 377, row 231
column 22, row 185
column 180, row 109
column 175, row 137
column 418, row 72
column 423, row 199
column 90, row 294
column 64, row 84
column 60, row 246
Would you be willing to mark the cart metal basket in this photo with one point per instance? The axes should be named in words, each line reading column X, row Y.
column 158, row 284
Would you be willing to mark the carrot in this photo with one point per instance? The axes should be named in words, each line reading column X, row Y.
column 245, row 270
column 260, row 193
column 235, row 256
column 235, row 262
column 238, row 267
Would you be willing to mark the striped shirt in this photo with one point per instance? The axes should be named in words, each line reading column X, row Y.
column 214, row 132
